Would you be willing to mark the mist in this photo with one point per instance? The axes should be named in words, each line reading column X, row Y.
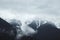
column 28, row 10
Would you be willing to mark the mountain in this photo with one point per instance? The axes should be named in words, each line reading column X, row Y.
column 35, row 24
column 7, row 31
column 47, row 31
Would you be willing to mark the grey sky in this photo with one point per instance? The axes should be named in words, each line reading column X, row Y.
column 32, row 6
column 29, row 8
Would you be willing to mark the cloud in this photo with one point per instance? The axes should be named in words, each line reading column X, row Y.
column 25, row 10
column 51, row 7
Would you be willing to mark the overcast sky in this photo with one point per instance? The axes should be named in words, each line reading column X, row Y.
column 30, row 8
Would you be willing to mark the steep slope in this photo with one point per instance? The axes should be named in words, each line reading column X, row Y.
column 7, row 32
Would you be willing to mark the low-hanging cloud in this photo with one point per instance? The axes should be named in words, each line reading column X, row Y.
column 25, row 10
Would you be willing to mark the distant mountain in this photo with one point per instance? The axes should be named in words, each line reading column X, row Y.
column 35, row 23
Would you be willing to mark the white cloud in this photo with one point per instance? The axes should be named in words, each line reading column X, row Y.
column 6, row 14
column 51, row 7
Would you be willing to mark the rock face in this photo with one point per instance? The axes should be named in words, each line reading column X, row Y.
column 7, row 31
column 47, row 31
